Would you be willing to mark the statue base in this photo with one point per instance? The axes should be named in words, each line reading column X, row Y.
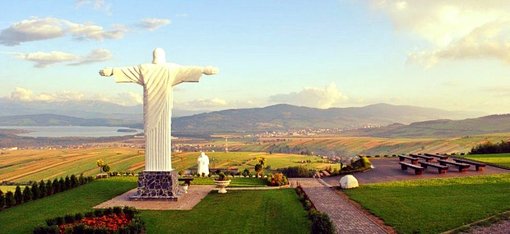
column 158, row 185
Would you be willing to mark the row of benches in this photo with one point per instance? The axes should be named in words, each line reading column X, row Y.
column 442, row 165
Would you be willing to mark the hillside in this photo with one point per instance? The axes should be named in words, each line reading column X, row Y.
column 285, row 117
column 441, row 128
column 57, row 120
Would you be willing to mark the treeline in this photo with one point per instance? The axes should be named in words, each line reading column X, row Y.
column 491, row 148
column 40, row 190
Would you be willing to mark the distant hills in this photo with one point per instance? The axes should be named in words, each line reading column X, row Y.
column 279, row 117
column 441, row 128
column 285, row 117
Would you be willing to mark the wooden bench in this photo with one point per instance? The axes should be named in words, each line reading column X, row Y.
column 441, row 169
column 418, row 170
column 443, row 157
column 462, row 166
column 403, row 158
column 187, row 180
column 479, row 166
column 427, row 158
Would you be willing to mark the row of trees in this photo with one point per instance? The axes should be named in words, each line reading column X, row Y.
column 39, row 190
column 491, row 148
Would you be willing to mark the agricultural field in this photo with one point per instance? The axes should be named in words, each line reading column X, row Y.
column 435, row 205
column 348, row 146
column 26, row 165
column 499, row 159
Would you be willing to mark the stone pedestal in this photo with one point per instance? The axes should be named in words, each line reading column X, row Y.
column 158, row 185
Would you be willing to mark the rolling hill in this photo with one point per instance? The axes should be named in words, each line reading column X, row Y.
column 441, row 128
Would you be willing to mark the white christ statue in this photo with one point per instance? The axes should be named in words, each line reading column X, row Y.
column 157, row 79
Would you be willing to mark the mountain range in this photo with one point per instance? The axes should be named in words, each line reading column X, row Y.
column 389, row 120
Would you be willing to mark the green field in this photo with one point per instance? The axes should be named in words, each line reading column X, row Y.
column 435, row 205
column 25, row 165
column 263, row 211
column 499, row 159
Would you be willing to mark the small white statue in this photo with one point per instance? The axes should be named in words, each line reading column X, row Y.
column 203, row 164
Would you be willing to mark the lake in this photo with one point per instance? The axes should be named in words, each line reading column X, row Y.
column 71, row 131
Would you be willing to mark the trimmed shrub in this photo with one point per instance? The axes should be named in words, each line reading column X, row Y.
column 55, row 186
column 49, row 188
column 42, row 189
column 298, row 171
column 2, row 201
column 35, row 191
column 67, row 183
column 27, row 194
column 9, row 199
column 61, row 185
column 246, row 172
column 18, row 196
column 278, row 179
column 321, row 223
column 74, row 181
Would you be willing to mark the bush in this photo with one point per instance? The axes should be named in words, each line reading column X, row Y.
column 27, row 194
column 18, row 196
column 246, row 172
column 55, row 186
column 106, row 168
column 35, row 191
column 321, row 223
column 298, row 171
column 9, row 199
column 67, row 183
column 74, row 181
column 61, row 185
column 278, row 179
column 42, row 189
column 2, row 200
column 49, row 188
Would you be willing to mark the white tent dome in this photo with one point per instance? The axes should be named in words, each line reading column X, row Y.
column 348, row 182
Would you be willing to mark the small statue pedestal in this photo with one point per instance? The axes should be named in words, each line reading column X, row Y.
column 157, row 185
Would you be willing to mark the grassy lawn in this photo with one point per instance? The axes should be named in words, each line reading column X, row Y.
column 236, row 182
column 265, row 211
column 500, row 159
column 23, row 218
column 435, row 205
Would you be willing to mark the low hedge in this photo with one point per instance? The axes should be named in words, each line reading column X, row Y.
column 321, row 223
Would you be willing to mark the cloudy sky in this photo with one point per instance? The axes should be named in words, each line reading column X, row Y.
column 447, row 54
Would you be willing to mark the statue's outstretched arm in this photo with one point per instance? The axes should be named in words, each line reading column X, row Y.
column 124, row 74
column 193, row 73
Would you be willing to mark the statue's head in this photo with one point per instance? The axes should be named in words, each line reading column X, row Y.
column 158, row 56
column 202, row 154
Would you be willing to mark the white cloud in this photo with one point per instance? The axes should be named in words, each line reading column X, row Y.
column 97, row 55
column 203, row 104
column 454, row 30
column 43, row 59
column 36, row 29
column 152, row 24
column 312, row 97
column 27, row 95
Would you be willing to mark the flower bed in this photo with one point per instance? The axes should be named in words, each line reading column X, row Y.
column 110, row 220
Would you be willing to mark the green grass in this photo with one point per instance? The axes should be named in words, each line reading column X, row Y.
column 267, row 211
column 499, row 159
column 236, row 182
column 435, row 205
column 23, row 218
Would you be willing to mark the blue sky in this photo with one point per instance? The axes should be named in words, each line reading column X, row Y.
column 323, row 54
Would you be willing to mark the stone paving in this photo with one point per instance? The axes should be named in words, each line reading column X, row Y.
column 186, row 202
column 346, row 217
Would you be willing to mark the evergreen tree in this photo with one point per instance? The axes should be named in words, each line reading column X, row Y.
column 2, row 200
column 67, row 182
column 61, row 185
column 36, row 193
column 27, row 194
column 18, row 196
column 9, row 199
column 42, row 189
column 81, row 180
column 55, row 185
column 74, row 181
column 49, row 188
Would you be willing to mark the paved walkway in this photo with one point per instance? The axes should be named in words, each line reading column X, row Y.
column 186, row 202
column 345, row 216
